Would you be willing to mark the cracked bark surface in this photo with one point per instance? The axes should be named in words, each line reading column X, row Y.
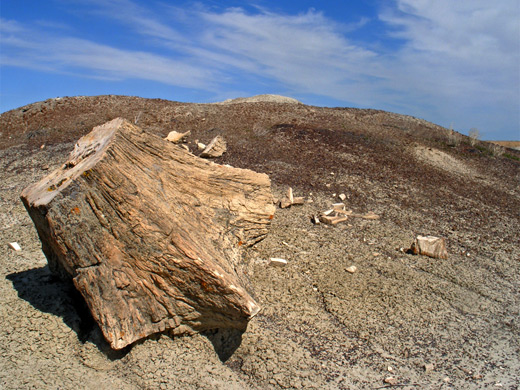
column 151, row 234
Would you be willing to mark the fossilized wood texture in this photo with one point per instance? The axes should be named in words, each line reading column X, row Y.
column 151, row 234
column 430, row 246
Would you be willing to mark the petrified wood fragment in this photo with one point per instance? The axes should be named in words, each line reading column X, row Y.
column 149, row 233
column 430, row 246
column 216, row 148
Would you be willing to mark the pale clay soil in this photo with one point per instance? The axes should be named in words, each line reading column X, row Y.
column 429, row 323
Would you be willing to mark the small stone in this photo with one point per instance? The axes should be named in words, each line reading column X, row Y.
column 277, row 262
column 428, row 367
column 390, row 369
column 342, row 197
column 390, row 380
column 201, row 146
column 352, row 269
column 43, row 146
column 15, row 246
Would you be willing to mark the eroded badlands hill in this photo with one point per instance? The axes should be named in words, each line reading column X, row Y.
column 425, row 322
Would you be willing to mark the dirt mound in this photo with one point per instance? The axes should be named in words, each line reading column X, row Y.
column 508, row 144
column 426, row 322
column 262, row 98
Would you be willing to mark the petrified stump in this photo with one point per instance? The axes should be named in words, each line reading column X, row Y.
column 149, row 233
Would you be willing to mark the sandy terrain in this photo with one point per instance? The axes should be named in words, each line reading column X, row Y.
column 428, row 323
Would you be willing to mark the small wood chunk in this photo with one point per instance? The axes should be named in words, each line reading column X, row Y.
column 216, row 148
column 290, row 195
column 277, row 262
column 431, row 246
column 332, row 220
column 15, row 246
column 176, row 137
column 290, row 200
column 285, row 203
column 370, row 215
column 390, row 380
column 298, row 200
column 338, row 206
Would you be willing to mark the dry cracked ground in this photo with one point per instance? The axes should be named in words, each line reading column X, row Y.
column 426, row 323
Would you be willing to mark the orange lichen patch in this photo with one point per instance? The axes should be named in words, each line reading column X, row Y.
column 86, row 173
column 240, row 243
column 51, row 188
column 271, row 216
column 75, row 210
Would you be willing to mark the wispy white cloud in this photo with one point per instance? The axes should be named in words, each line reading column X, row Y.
column 135, row 17
column 25, row 47
column 450, row 61
column 461, row 59
column 303, row 51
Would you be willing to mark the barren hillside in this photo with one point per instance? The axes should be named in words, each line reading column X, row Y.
column 427, row 323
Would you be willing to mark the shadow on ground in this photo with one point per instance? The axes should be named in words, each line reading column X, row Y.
column 225, row 341
column 49, row 294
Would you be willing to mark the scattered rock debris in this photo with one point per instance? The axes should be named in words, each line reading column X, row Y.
column 338, row 214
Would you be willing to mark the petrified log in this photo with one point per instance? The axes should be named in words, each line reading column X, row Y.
column 430, row 246
column 150, row 234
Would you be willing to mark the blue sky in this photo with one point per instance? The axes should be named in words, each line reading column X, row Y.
column 455, row 63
